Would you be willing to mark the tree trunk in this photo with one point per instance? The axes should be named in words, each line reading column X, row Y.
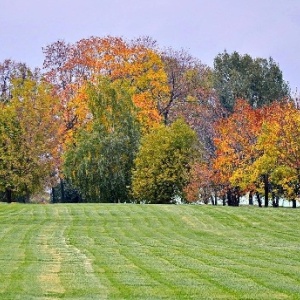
column 62, row 188
column 258, row 199
column 224, row 199
column 216, row 198
column 27, row 196
column 251, row 198
column 238, row 198
column 274, row 200
column 234, row 200
column 53, row 194
column 266, row 188
column 8, row 195
column 229, row 197
column 294, row 203
column 166, row 117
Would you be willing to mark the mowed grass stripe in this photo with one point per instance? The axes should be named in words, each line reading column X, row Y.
column 101, row 251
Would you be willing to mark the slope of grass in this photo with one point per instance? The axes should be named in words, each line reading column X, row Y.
column 94, row 251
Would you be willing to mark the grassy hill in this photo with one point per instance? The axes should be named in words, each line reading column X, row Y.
column 98, row 251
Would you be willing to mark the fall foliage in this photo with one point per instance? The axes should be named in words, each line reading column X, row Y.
column 116, row 120
column 28, row 137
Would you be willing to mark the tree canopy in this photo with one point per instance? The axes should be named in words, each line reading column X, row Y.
column 114, row 120
column 163, row 162
column 258, row 80
column 28, row 137
column 100, row 159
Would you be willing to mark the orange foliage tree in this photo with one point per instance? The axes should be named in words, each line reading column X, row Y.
column 69, row 66
column 278, row 144
column 235, row 142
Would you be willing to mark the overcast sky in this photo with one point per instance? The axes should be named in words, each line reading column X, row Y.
column 261, row 28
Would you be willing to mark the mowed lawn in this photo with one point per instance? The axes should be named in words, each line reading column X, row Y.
column 126, row 251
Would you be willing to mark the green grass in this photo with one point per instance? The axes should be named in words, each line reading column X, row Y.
column 98, row 251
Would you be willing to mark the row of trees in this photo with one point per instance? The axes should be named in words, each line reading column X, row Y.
column 257, row 152
column 110, row 120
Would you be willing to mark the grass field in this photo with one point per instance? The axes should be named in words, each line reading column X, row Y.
column 98, row 251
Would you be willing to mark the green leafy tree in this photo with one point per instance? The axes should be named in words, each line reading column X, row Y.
column 99, row 162
column 259, row 81
column 163, row 163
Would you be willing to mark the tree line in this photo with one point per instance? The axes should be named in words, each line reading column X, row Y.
column 112, row 120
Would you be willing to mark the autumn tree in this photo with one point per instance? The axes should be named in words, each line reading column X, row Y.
column 69, row 66
column 10, row 132
column 260, row 153
column 201, row 114
column 203, row 183
column 28, row 127
column 187, row 81
column 100, row 159
column 278, row 144
column 257, row 80
column 163, row 162
column 236, row 138
column 9, row 70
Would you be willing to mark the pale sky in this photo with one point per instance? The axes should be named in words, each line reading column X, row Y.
column 261, row 28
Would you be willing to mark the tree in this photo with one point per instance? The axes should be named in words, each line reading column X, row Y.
column 163, row 162
column 28, row 127
column 236, row 138
column 10, row 154
column 201, row 114
column 278, row 144
column 9, row 70
column 100, row 159
column 257, row 151
column 187, row 80
column 259, row 81
column 70, row 66
column 202, row 184
column 192, row 98
column 64, row 192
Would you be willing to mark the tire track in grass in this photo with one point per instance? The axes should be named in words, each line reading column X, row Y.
column 86, row 238
column 67, row 271
column 189, row 242
column 49, row 278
